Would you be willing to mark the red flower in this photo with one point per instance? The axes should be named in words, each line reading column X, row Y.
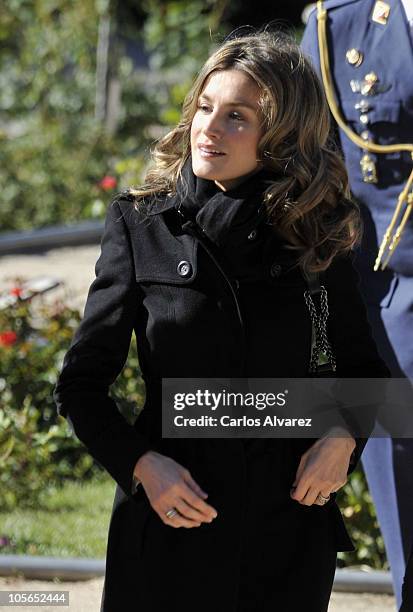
column 108, row 182
column 8, row 338
column 17, row 291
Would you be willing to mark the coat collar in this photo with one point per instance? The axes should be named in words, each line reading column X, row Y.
column 234, row 222
column 160, row 204
column 203, row 189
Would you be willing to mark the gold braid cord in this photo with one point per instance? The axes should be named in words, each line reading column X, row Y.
column 391, row 237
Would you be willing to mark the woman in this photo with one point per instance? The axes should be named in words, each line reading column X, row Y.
column 208, row 263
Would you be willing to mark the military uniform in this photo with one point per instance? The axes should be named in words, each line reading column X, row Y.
column 370, row 50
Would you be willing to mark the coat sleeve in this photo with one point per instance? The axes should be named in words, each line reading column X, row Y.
column 352, row 341
column 97, row 354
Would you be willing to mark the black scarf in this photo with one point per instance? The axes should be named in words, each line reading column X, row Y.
column 235, row 221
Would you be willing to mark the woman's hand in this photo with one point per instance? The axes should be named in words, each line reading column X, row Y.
column 168, row 486
column 323, row 469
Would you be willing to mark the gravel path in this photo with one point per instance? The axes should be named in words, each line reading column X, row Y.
column 75, row 268
column 85, row 597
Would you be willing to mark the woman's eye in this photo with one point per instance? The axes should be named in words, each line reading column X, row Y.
column 233, row 114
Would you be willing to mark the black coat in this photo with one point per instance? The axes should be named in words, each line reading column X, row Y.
column 194, row 315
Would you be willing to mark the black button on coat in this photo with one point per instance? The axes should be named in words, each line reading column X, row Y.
column 203, row 301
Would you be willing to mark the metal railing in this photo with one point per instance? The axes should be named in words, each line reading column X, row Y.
column 72, row 569
column 54, row 236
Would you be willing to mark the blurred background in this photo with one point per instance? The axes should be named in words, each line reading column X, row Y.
column 86, row 88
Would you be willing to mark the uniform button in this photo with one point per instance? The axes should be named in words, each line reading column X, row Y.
column 354, row 57
column 275, row 270
column 252, row 235
column 362, row 106
column 184, row 268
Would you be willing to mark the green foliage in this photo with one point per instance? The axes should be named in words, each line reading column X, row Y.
column 46, row 100
column 180, row 33
column 54, row 152
column 360, row 517
column 37, row 448
column 72, row 521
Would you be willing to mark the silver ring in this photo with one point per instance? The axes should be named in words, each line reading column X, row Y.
column 323, row 500
column 171, row 513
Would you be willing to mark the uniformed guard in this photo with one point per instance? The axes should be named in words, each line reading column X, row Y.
column 363, row 50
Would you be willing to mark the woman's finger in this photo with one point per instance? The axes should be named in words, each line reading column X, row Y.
column 300, row 470
column 180, row 521
column 320, row 502
column 190, row 512
column 192, row 499
column 193, row 484
column 300, row 490
column 310, row 497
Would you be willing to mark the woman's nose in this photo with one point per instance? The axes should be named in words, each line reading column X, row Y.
column 213, row 126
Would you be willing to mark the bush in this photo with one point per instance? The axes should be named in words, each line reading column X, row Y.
column 37, row 447
column 55, row 149
column 360, row 517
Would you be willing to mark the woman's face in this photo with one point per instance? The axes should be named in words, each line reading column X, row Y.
column 225, row 130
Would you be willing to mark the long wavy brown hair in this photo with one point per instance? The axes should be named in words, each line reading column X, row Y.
column 309, row 202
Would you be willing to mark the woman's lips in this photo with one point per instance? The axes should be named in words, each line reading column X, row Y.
column 208, row 153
